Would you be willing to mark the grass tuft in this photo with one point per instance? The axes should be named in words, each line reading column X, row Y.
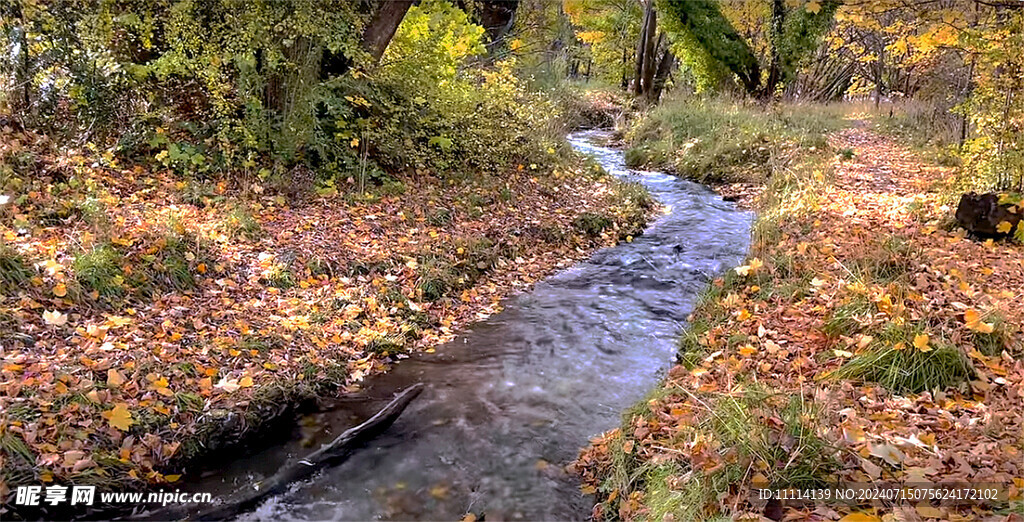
column 99, row 270
column 909, row 370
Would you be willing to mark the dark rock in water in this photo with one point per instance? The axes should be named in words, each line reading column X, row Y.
column 981, row 214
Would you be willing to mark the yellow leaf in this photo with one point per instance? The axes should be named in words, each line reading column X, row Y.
column 119, row 417
column 813, row 7
column 55, row 318
column 860, row 517
column 927, row 511
column 748, row 350
column 60, row 290
column 245, row 382
column 172, row 478
column 921, row 342
column 1004, row 227
column 971, row 316
column 760, row 481
column 114, row 378
column 755, row 264
column 973, row 321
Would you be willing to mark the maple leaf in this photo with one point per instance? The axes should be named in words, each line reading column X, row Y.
column 813, row 7
column 921, row 343
column 1004, row 227
column 60, row 290
column 972, row 319
column 55, row 318
column 119, row 417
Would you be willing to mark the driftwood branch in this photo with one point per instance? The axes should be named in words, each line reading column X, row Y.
column 331, row 454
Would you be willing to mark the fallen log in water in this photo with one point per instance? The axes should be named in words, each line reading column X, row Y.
column 331, row 454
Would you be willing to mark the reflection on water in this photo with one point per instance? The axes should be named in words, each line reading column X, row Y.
column 511, row 401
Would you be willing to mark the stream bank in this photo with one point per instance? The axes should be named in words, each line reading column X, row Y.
column 509, row 402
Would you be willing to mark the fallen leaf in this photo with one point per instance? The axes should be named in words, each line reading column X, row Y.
column 119, row 417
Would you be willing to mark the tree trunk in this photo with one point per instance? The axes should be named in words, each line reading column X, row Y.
column 661, row 76
column 651, row 56
column 879, row 71
column 497, row 18
column 641, row 48
column 774, row 69
column 382, row 26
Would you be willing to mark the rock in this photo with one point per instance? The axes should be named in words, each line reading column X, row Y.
column 981, row 214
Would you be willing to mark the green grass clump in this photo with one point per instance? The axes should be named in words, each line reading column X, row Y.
column 100, row 270
column 789, row 453
column 279, row 276
column 848, row 318
column 909, row 370
column 14, row 270
column 240, row 223
column 591, row 224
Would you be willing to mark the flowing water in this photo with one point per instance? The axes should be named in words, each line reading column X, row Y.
column 509, row 403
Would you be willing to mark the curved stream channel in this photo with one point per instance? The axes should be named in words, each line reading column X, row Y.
column 509, row 403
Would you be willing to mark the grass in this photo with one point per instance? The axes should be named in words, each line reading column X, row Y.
column 14, row 270
column 99, row 270
column 240, row 223
column 736, row 443
column 849, row 318
column 591, row 224
column 909, row 370
column 716, row 140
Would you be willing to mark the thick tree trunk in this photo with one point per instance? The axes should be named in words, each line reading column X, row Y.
column 651, row 56
column 382, row 26
column 641, row 48
column 661, row 75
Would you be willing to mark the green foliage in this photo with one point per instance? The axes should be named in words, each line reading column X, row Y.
column 700, row 24
column 591, row 224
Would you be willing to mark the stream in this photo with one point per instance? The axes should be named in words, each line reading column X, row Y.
column 512, row 400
